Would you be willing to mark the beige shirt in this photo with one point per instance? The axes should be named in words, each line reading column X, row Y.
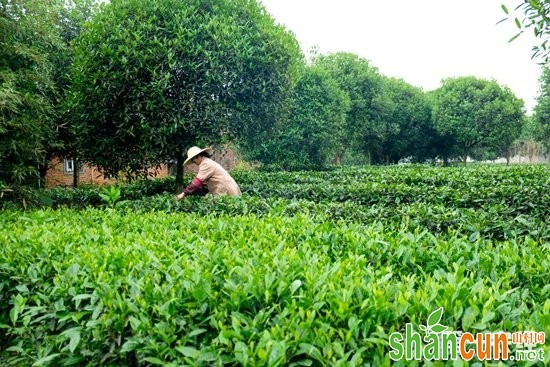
column 217, row 179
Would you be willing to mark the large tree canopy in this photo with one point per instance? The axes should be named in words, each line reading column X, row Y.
column 476, row 113
column 318, row 112
column 152, row 78
column 409, row 128
column 363, row 85
column 311, row 133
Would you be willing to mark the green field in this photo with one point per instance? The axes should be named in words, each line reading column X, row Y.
column 306, row 269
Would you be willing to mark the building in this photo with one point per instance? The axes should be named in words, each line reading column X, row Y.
column 61, row 173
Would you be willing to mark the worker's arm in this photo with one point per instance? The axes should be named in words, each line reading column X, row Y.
column 194, row 186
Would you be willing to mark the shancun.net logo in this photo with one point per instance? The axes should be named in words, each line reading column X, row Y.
column 439, row 343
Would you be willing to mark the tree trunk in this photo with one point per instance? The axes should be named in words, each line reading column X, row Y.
column 179, row 173
column 76, row 172
column 43, row 170
column 338, row 158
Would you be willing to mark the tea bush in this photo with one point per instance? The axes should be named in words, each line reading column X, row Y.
column 98, row 287
column 305, row 269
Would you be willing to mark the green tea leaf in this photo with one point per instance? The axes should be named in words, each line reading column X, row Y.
column 45, row 360
column 154, row 360
column 188, row 351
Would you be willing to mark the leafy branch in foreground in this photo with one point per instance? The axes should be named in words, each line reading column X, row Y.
column 535, row 15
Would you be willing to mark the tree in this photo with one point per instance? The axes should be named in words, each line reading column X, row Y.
column 530, row 142
column 474, row 113
column 70, row 18
column 442, row 145
column 26, row 38
column 541, row 115
column 152, row 78
column 509, row 117
column 309, row 137
column 410, row 129
column 535, row 16
column 362, row 83
column 34, row 61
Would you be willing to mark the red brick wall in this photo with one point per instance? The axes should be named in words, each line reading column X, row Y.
column 56, row 175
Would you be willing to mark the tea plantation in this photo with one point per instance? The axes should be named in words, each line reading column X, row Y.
column 305, row 269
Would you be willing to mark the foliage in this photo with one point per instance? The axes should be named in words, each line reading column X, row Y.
column 70, row 19
column 535, row 16
column 362, row 83
column 152, row 78
column 312, row 133
column 409, row 128
column 25, row 84
column 531, row 141
column 476, row 113
column 110, row 196
column 303, row 269
column 97, row 287
column 34, row 58
column 479, row 200
column 541, row 115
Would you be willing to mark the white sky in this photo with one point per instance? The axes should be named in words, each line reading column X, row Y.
column 419, row 41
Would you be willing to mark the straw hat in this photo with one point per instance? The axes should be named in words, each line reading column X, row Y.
column 195, row 151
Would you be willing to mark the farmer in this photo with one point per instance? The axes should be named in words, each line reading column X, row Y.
column 210, row 174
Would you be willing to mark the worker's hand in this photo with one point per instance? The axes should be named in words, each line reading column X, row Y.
column 180, row 196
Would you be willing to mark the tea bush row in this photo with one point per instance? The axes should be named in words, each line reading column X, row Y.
column 523, row 189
